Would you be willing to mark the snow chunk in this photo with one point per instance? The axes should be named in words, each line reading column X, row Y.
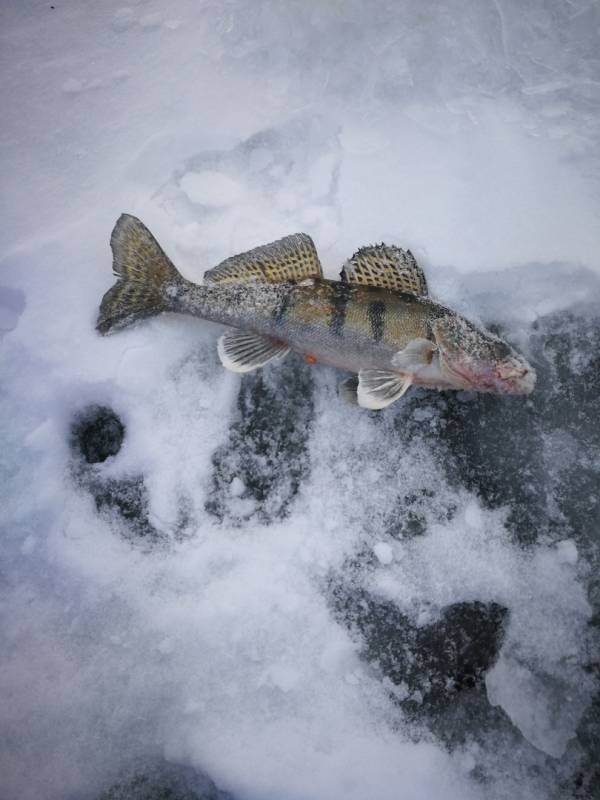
column 541, row 708
column 473, row 515
column 567, row 551
column 384, row 553
column 237, row 487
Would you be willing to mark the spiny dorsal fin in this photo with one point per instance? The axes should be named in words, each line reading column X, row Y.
column 291, row 259
column 244, row 351
column 378, row 388
column 388, row 267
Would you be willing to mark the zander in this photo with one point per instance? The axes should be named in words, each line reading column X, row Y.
column 377, row 322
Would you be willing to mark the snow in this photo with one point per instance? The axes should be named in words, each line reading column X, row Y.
column 211, row 188
column 177, row 601
column 384, row 553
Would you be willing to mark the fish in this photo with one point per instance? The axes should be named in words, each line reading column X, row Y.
column 377, row 322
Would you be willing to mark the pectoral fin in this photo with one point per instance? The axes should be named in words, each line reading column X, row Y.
column 417, row 353
column 378, row 388
column 243, row 351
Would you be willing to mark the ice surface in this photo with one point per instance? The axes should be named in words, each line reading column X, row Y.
column 246, row 578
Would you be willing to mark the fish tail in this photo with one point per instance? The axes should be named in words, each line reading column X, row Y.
column 147, row 280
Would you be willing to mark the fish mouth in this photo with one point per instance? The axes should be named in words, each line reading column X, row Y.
column 517, row 379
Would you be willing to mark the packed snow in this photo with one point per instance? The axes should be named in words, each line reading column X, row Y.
column 244, row 580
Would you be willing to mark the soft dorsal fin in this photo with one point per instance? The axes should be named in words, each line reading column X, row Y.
column 388, row 267
column 293, row 258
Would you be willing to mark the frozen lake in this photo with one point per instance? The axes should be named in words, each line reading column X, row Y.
column 217, row 586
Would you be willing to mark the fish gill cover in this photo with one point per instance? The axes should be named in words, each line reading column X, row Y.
column 220, row 587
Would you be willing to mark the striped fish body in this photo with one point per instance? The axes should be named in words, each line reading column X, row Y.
column 339, row 324
column 377, row 321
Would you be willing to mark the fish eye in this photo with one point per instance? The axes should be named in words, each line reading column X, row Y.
column 501, row 350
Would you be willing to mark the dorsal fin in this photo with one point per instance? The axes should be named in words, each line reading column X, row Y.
column 388, row 267
column 293, row 258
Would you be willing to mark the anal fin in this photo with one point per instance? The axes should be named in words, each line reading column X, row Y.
column 378, row 388
column 244, row 351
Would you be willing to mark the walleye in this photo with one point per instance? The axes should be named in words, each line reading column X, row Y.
column 378, row 322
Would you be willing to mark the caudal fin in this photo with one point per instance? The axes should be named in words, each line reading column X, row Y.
column 144, row 274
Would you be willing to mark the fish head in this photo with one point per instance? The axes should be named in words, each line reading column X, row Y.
column 471, row 358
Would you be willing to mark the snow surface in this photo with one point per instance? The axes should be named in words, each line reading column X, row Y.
column 467, row 131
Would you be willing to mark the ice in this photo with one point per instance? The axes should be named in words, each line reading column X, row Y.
column 219, row 584
column 543, row 710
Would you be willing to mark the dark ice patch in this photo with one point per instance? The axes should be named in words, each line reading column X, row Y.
column 267, row 448
column 569, row 348
column 125, row 502
column 587, row 779
column 409, row 515
column 428, row 666
column 97, row 434
column 161, row 780
column 495, row 449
